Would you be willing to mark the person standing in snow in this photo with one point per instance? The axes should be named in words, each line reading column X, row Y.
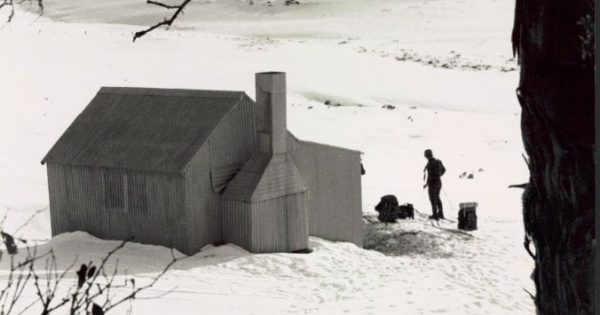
column 432, row 175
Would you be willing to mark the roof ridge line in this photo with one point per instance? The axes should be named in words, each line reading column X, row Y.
column 151, row 91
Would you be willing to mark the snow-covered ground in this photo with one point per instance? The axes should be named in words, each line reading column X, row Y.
column 359, row 54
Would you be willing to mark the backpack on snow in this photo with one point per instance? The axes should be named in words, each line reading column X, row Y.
column 467, row 216
column 387, row 209
column 406, row 211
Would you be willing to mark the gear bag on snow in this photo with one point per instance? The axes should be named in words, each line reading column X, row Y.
column 387, row 209
column 467, row 218
column 406, row 211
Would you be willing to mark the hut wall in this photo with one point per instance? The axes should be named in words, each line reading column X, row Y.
column 279, row 224
column 333, row 177
column 117, row 204
column 209, row 171
column 237, row 222
column 297, row 221
column 204, row 221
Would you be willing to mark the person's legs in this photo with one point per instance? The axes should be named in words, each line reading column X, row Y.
column 432, row 198
column 439, row 207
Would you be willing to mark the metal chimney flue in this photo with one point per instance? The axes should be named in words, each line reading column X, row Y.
column 270, row 112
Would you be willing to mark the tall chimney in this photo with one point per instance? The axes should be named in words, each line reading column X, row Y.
column 270, row 112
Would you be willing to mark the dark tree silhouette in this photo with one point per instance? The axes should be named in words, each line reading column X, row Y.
column 555, row 44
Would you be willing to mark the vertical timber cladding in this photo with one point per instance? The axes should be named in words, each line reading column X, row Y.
column 208, row 172
column 76, row 202
column 333, row 177
column 199, row 198
column 61, row 216
column 280, row 224
column 297, row 221
column 117, row 203
column 236, row 222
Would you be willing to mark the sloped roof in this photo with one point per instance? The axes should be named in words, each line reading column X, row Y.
column 142, row 128
column 265, row 177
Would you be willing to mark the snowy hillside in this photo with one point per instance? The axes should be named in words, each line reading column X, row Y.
column 357, row 56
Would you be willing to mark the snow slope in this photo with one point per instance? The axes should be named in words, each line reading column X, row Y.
column 424, row 31
column 469, row 118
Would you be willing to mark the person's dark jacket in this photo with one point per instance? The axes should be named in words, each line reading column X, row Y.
column 435, row 170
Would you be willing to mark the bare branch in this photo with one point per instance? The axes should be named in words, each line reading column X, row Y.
column 35, row 214
column 52, row 286
column 531, row 295
column 80, row 297
column 30, row 260
column 11, row 4
column 523, row 186
column 12, row 12
column 7, row 209
column 82, row 301
column 12, row 292
column 166, row 22
column 158, row 296
column 160, row 4
column 24, row 310
column 526, row 243
column 133, row 294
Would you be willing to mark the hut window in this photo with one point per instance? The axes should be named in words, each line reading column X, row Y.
column 125, row 193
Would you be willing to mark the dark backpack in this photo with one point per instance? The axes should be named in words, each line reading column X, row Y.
column 387, row 209
column 467, row 216
column 406, row 211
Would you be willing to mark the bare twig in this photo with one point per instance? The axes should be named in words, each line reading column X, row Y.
column 11, row 5
column 82, row 295
column 35, row 214
column 29, row 260
column 15, row 284
column 12, row 13
column 166, row 22
column 158, row 296
column 523, row 186
column 7, row 209
column 526, row 243
column 527, row 161
column 133, row 294
column 531, row 295
column 52, row 284
column 24, row 310
column 160, row 4
column 86, row 296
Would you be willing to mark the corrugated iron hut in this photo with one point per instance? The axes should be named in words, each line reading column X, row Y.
column 186, row 168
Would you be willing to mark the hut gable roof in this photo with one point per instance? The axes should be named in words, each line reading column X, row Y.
column 142, row 128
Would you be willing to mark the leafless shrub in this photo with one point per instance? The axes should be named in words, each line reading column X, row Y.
column 96, row 290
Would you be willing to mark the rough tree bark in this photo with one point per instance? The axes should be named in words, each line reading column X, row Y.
column 554, row 42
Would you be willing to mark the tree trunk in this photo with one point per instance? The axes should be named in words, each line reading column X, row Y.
column 554, row 41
